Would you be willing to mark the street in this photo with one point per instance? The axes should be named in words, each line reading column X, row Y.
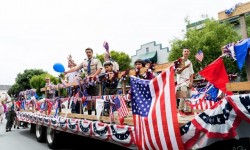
column 22, row 139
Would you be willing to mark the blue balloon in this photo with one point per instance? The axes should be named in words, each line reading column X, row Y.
column 58, row 67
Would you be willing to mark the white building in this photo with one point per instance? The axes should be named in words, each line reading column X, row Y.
column 3, row 91
column 152, row 51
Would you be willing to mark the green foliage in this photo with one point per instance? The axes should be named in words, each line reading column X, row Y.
column 23, row 81
column 14, row 90
column 210, row 40
column 248, row 25
column 121, row 58
column 38, row 81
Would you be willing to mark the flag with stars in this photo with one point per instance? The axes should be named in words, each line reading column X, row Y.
column 121, row 108
column 204, row 98
column 199, row 55
column 154, row 112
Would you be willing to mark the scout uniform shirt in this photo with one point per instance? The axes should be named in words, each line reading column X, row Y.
column 94, row 66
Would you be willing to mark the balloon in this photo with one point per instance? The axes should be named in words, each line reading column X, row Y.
column 58, row 67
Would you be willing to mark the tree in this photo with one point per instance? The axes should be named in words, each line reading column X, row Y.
column 248, row 25
column 38, row 81
column 23, row 81
column 210, row 40
column 121, row 58
column 14, row 90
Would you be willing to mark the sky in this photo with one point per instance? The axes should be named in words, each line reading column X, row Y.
column 36, row 34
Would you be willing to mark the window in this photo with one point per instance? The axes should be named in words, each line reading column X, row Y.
column 147, row 50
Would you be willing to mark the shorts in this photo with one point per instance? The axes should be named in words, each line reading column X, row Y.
column 185, row 88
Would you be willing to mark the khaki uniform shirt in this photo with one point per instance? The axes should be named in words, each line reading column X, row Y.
column 94, row 66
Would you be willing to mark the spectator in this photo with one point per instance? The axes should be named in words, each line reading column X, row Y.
column 11, row 117
column 184, row 79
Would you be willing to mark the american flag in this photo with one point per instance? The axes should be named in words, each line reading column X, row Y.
column 154, row 112
column 121, row 108
column 204, row 98
column 199, row 56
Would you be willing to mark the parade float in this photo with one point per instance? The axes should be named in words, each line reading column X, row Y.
column 218, row 121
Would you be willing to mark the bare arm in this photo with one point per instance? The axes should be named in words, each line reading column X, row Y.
column 72, row 69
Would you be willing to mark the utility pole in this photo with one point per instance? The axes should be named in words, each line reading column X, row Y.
column 240, row 12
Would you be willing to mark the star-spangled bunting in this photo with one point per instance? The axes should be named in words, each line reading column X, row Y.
column 222, row 121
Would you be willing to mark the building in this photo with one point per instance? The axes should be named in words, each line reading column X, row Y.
column 3, row 90
column 152, row 51
column 197, row 25
column 235, row 21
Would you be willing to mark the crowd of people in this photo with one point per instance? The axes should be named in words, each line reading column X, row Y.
column 107, row 72
column 8, row 111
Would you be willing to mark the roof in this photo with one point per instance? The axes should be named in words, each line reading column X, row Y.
column 152, row 56
column 5, row 87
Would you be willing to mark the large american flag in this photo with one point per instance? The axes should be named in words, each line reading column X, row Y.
column 199, row 55
column 154, row 112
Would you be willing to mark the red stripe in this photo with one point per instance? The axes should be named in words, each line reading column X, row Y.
column 138, row 132
column 156, row 134
column 148, row 134
column 174, row 111
column 206, row 104
column 201, row 107
column 143, row 126
column 163, row 113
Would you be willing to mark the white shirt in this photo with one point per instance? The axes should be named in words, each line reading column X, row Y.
column 184, row 77
column 72, row 76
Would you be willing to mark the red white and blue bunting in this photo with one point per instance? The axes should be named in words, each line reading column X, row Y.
column 119, row 134
column 221, row 121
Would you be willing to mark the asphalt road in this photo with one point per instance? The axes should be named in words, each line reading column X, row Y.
column 22, row 139
column 19, row 139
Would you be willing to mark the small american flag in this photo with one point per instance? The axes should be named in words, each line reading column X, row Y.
column 121, row 108
column 199, row 56
column 154, row 112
